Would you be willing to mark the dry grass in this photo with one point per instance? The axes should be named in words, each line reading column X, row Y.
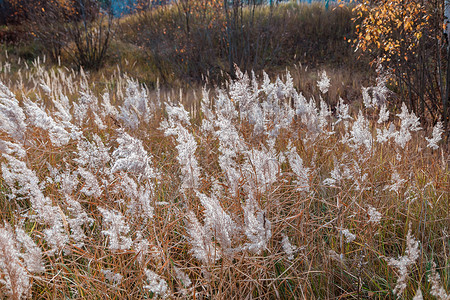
column 324, row 265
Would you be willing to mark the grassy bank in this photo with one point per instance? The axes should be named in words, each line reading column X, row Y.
column 179, row 48
column 269, row 38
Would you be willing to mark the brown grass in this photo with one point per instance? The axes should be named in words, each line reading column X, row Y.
column 310, row 220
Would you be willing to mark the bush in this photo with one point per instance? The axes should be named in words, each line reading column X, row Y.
column 78, row 29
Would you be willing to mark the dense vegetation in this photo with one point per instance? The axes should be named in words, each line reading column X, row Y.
column 173, row 166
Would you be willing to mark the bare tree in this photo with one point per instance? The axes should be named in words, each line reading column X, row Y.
column 80, row 28
column 91, row 34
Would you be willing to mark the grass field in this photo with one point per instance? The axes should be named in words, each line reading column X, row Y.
column 166, row 174
column 248, row 192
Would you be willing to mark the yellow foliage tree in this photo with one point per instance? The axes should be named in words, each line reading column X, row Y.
column 407, row 37
column 393, row 27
